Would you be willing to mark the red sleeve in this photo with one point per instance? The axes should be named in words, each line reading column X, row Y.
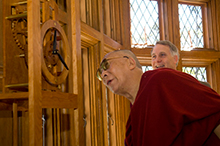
column 173, row 108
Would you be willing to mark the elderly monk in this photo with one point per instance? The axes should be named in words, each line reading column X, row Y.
column 168, row 107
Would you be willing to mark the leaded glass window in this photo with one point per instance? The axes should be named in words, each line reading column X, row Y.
column 197, row 72
column 191, row 27
column 144, row 23
column 146, row 68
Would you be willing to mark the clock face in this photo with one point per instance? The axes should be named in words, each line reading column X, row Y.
column 55, row 52
column 51, row 59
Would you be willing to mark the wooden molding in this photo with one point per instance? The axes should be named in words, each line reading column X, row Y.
column 49, row 99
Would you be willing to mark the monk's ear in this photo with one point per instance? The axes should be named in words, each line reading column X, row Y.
column 176, row 58
column 132, row 63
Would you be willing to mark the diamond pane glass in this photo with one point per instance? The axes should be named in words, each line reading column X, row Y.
column 191, row 28
column 144, row 23
column 146, row 68
column 197, row 72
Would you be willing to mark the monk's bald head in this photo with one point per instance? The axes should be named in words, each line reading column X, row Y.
column 128, row 53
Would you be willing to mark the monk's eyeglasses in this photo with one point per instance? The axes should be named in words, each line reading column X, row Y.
column 105, row 65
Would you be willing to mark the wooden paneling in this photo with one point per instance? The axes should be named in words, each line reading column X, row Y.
column 87, row 102
column 1, row 78
column 1, row 37
column 106, row 18
column 94, row 105
column 217, row 12
column 90, row 13
column 215, row 75
column 6, row 133
column 112, row 122
column 23, row 132
column 15, row 124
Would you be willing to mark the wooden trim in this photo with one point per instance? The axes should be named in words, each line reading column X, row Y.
column 89, row 13
column 34, row 74
column 19, row 95
column 167, row 20
column 112, row 22
column 175, row 22
column 112, row 114
column 90, row 34
column 87, row 98
column 90, row 37
column 200, row 55
column 99, row 52
column 83, row 10
column 111, row 43
column 15, row 124
column 213, row 26
column 95, row 102
column 218, row 23
column 76, row 126
column 4, row 24
column 107, row 25
column 143, row 55
column 161, row 19
column 209, row 74
column 95, row 14
column 59, row 100
column 207, row 31
column 63, row 16
column 194, row 1
column 1, row 36
column 145, row 52
column 49, row 128
column 125, row 24
column 1, row 71
column 49, row 99
column 218, row 75
column 118, row 27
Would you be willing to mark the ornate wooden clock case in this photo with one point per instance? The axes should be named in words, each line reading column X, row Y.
column 37, row 60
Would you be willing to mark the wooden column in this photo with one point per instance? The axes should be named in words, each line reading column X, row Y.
column 76, row 120
column 171, row 23
column 34, row 73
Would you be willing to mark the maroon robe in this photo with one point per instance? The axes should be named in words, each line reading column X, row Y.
column 173, row 108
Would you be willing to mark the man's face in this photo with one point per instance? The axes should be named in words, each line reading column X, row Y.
column 162, row 57
column 114, row 76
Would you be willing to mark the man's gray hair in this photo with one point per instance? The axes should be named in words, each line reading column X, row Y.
column 173, row 49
